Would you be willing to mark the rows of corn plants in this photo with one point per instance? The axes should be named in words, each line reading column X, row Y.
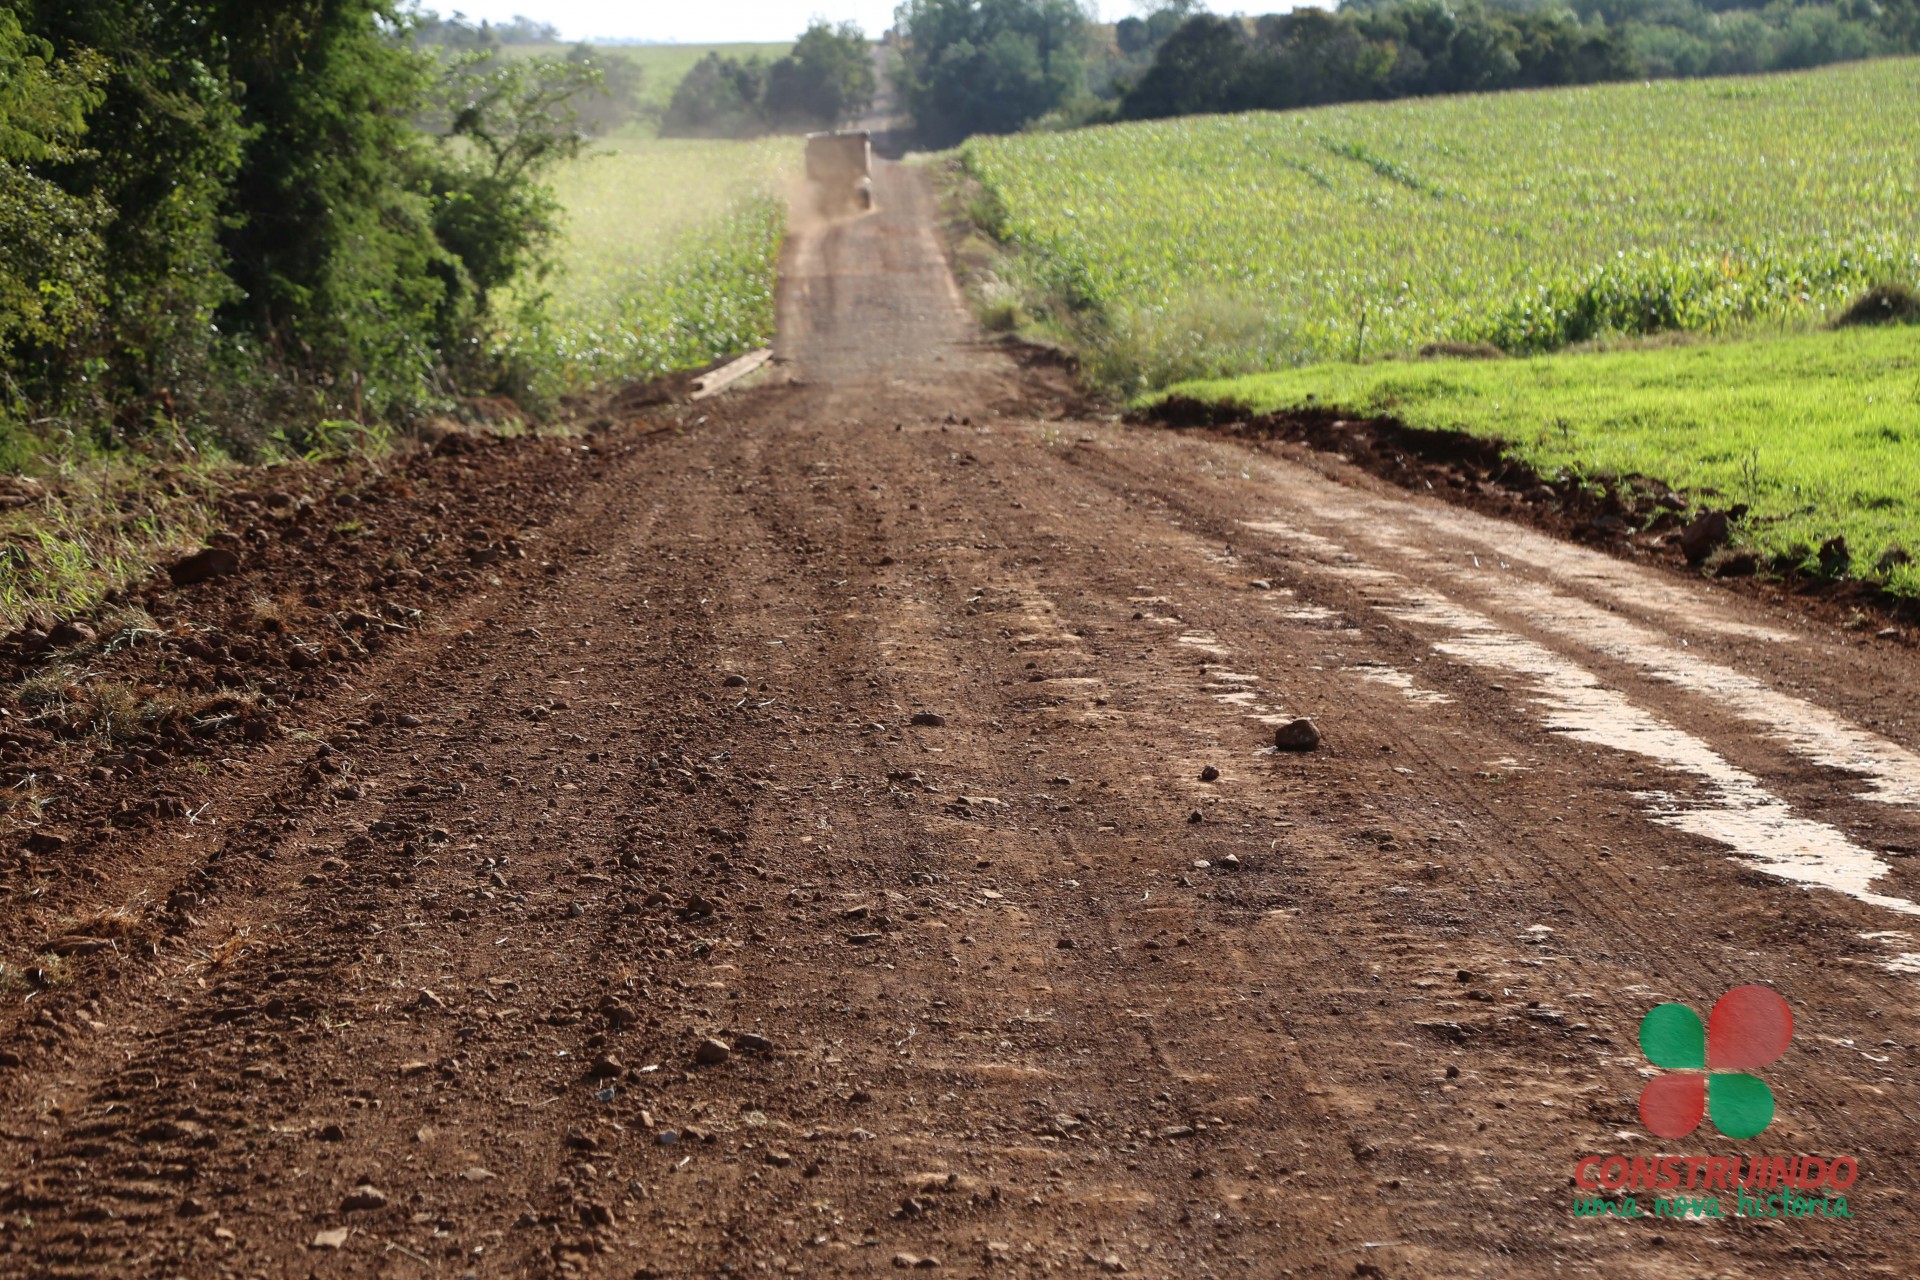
column 1530, row 221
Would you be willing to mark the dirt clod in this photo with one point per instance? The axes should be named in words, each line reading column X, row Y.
column 202, row 566
column 364, row 1198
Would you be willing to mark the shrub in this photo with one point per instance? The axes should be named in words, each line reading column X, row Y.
column 1891, row 303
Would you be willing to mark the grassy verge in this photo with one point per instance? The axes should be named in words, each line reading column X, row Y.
column 76, row 532
column 671, row 260
column 1818, row 434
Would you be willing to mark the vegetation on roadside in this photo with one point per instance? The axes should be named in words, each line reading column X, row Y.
column 229, row 220
column 1816, row 434
column 1213, row 246
column 680, row 278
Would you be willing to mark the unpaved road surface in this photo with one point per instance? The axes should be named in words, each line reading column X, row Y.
column 433, row 997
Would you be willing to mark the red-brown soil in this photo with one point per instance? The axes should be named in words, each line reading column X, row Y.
column 858, row 724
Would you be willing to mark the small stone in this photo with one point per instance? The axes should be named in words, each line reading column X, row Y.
column 748, row 1042
column 210, row 562
column 862, row 939
column 735, row 682
column 928, row 719
column 408, row 722
column 1297, row 735
column 476, row 1173
column 1261, row 584
column 1209, row 774
column 334, row 1239
column 711, row 1052
column 1231, row 862
column 364, row 1197
column 429, row 1000
column 1177, row 1131
column 666, row 1137
column 779, row 1159
column 192, row 1208
column 331, row 1133
column 914, row 1262
column 1196, row 816
column 606, row 1067
column 1112, row 1263
column 1064, row 944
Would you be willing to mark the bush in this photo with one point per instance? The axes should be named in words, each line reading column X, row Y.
column 1883, row 304
column 719, row 98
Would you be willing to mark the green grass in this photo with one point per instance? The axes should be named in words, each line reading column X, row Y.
column 1819, row 433
column 1225, row 244
column 95, row 524
column 670, row 261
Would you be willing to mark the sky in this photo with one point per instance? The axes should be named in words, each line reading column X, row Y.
column 695, row 22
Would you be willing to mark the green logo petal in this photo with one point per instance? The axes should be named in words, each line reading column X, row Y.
column 1672, row 1036
column 1741, row 1105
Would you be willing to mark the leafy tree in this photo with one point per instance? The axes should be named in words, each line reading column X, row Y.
column 520, row 117
column 1201, row 67
column 826, row 80
column 51, row 287
column 988, row 66
column 616, row 98
column 719, row 98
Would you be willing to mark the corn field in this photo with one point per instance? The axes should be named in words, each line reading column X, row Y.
column 1527, row 220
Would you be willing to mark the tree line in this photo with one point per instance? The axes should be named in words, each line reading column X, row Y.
column 995, row 66
column 827, row 79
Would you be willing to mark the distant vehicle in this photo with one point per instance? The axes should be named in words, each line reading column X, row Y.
column 840, row 170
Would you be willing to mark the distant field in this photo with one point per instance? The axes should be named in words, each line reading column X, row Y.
column 1819, row 432
column 670, row 261
column 1227, row 244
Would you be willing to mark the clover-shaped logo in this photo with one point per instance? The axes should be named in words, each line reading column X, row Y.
column 1748, row 1029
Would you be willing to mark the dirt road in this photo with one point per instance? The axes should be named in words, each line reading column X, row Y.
column 860, row 726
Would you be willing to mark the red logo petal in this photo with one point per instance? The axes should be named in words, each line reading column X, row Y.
column 1749, row 1028
column 1671, row 1105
